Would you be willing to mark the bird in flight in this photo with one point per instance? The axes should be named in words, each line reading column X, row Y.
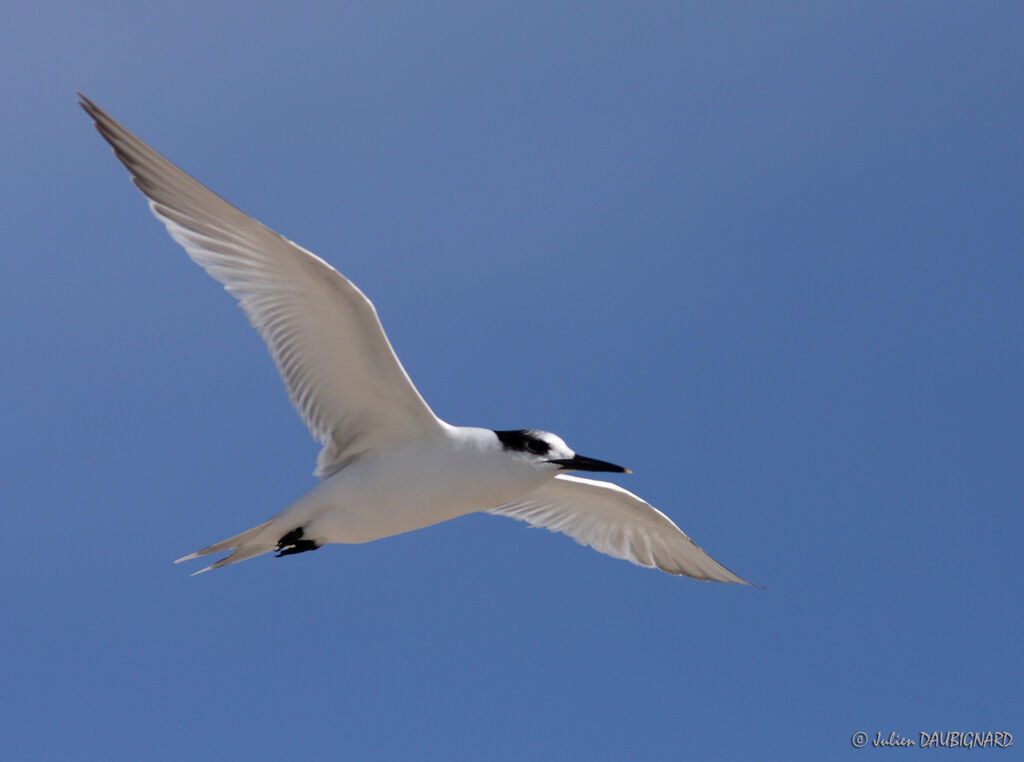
column 388, row 464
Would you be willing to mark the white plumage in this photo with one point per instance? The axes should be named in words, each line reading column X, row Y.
column 614, row 521
column 388, row 464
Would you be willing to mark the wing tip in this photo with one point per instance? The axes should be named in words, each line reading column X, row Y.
column 87, row 104
column 741, row 581
column 732, row 578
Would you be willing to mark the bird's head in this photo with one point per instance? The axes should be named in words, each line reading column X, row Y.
column 549, row 450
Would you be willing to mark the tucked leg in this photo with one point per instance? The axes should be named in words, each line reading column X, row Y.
column 293, row 542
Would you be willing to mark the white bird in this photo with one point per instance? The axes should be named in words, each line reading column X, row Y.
column 388, row 464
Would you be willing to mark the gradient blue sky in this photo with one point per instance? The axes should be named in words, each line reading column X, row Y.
column 769, row 255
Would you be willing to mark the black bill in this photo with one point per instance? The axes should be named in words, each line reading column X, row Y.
column 581, row 463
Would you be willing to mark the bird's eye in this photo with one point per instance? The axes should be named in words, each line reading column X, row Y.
column 537, row 446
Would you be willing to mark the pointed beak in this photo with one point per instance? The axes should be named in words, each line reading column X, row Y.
column 580, row 463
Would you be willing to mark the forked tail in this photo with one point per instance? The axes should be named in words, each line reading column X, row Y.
column 249, row 544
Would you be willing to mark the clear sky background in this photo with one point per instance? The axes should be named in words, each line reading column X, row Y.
column 768, row 255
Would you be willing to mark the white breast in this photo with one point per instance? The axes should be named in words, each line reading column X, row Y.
column 413, row 486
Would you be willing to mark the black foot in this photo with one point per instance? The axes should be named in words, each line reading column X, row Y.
column 293, row 543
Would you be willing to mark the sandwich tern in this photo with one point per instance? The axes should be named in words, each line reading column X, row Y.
column 388, row 464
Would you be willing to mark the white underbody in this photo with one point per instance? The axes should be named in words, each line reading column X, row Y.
column 384, row 493
column 389, row 464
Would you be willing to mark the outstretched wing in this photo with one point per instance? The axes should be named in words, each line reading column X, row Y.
column 340, row 371
column 616, row 522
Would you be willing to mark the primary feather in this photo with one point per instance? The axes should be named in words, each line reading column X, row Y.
column 616, row 522
column 324, row 335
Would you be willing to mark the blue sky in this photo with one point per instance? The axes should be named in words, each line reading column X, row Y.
column 768, row 255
